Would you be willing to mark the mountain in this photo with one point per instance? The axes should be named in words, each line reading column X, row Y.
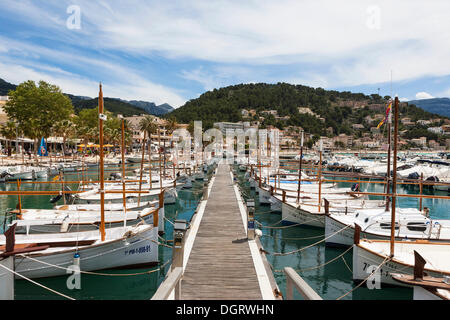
column 439, row 106
column 5, row 87
column 328, row 108
column 151, row 107
column 113, row 105
column 116, row 106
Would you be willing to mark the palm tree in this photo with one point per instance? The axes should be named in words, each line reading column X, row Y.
column 64, row 129
column 171, row 126
column 9, row 132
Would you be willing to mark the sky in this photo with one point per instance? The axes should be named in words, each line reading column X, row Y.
column 173, row 51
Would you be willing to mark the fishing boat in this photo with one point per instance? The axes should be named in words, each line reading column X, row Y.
column 375, row 223
column 125, row 246
column 425, row 287
column 121, row 247
column 391, row 256
column 33, row 221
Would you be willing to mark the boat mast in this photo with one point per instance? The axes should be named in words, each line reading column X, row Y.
column 102, row 185
column 142, row 167
column 123, row 174
column 388, row 174
column 394, row 177
column 300, row 169
column 320, row 171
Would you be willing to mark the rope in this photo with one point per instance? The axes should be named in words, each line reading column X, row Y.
column 311, row 245
column 161, row 244
column 97, row 273
column 37, row 283
column 351, row 271
column 284, row 227
column 307, row 238
column 384, row 261
column 270, row 226
column 321, row 265
column 169, row 221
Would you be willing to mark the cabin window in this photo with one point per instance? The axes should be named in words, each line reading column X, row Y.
column 416, row 226
column 388, row 226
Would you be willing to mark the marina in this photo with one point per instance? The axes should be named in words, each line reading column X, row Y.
column 225, row 159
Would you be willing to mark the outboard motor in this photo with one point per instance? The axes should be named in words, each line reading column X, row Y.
column 55, row 199
column 432, row 178
column 414, row 176
column 4, row 174
column 115, row 176
column 68, row 196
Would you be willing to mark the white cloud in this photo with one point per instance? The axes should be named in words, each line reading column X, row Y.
column 423, row 95
column 403, row 99
column 330, row 35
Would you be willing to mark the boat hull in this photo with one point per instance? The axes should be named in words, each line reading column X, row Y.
column 292, row 215
column 363, row 259
column 136, row 250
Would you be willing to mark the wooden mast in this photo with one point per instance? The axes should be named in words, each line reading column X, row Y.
column 388, row 174
column 149, row 143
column 159, row 150
column 394, row 178
column 320, row 172
column 300, row 170
column 123, row 174
column 102, row 184
column 142, row 167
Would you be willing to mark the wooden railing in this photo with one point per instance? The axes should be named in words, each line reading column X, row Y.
column 172, row 282
column 293, row 280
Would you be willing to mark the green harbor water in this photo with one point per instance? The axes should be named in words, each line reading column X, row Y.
column 335, row 278
column 95, row 287
column 331, row 281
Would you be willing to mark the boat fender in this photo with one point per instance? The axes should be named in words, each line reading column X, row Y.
column 76, row 259
column 56, row 199
column 355, row 187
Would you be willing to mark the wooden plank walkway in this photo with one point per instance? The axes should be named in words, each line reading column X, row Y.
column 220, row 266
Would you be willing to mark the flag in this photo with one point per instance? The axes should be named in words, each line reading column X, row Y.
column 380, row 124
column 43, row 149
column 388, row 110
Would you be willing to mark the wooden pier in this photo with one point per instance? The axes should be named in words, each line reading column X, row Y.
column 220, row 265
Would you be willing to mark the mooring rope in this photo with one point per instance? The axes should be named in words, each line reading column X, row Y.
column 373, row 272
column 97, row 273
column 37, row 283
column 351, row 271
column 309, row 246
column 316, row 267
column 281, row 238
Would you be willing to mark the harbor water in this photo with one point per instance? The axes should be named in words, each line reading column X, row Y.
column 330, row 280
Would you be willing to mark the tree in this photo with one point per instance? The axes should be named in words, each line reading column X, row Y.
column 37, row 108
column 64, row 129
column 9, row 131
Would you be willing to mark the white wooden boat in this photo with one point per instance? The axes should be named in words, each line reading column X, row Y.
column 307, row 211
column 93, row 196
column 123, row 247
column 33, row 221
column 367, row 253
column 425, row 287
column 376, row 224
